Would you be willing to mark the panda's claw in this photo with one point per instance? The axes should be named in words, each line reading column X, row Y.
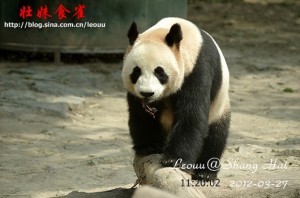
column 169, row 162
column 205, row 175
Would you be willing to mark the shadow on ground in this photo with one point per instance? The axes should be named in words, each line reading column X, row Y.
column 117, row 192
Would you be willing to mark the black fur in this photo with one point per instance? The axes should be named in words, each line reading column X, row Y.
column 146, row 132
column 174, row 36
column 213, row 147
column 209, row 56
column 191, row 138
column 215, row 142
column 161, row 75
column 132, row 33
column 134, row 76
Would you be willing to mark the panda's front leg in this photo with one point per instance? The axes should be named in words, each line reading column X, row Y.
column 184, row 144
column 145, row 131
column 189, row 131
column 213, row 148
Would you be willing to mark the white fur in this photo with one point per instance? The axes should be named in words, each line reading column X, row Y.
column 189, row 46
column 148, row 56
column 150, row 51
column 221, row 104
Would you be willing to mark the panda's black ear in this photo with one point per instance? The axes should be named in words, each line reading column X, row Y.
column 132, row 33
column 174, row 36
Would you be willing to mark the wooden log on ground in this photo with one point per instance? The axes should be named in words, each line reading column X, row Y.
column 169, row 179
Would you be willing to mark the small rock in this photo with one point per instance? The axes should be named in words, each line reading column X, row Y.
column 289, row 152
column 230, row 22
column 261, row 67
column 99, row 93
column 50, row 169
column 91, row 163
column 47, row 132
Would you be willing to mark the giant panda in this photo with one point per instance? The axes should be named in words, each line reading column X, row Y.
column 177, row 84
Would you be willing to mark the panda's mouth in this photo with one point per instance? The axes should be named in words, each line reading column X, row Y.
column 148, row 108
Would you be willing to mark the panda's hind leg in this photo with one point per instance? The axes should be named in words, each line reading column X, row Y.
column 212, row 150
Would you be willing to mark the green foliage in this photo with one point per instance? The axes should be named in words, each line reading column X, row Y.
column 288, row 90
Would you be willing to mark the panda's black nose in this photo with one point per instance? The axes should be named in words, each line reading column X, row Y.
column 147, row 94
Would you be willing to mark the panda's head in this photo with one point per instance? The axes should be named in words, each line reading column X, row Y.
column 152, row 65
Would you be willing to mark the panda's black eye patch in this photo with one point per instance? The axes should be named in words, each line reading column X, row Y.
column 161, row 75
column 134, row 76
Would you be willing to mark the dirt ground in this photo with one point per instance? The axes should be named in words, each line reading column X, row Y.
column 63, row 129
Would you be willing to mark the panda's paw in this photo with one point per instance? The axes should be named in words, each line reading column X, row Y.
column 170, row 162
column 205, row 175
